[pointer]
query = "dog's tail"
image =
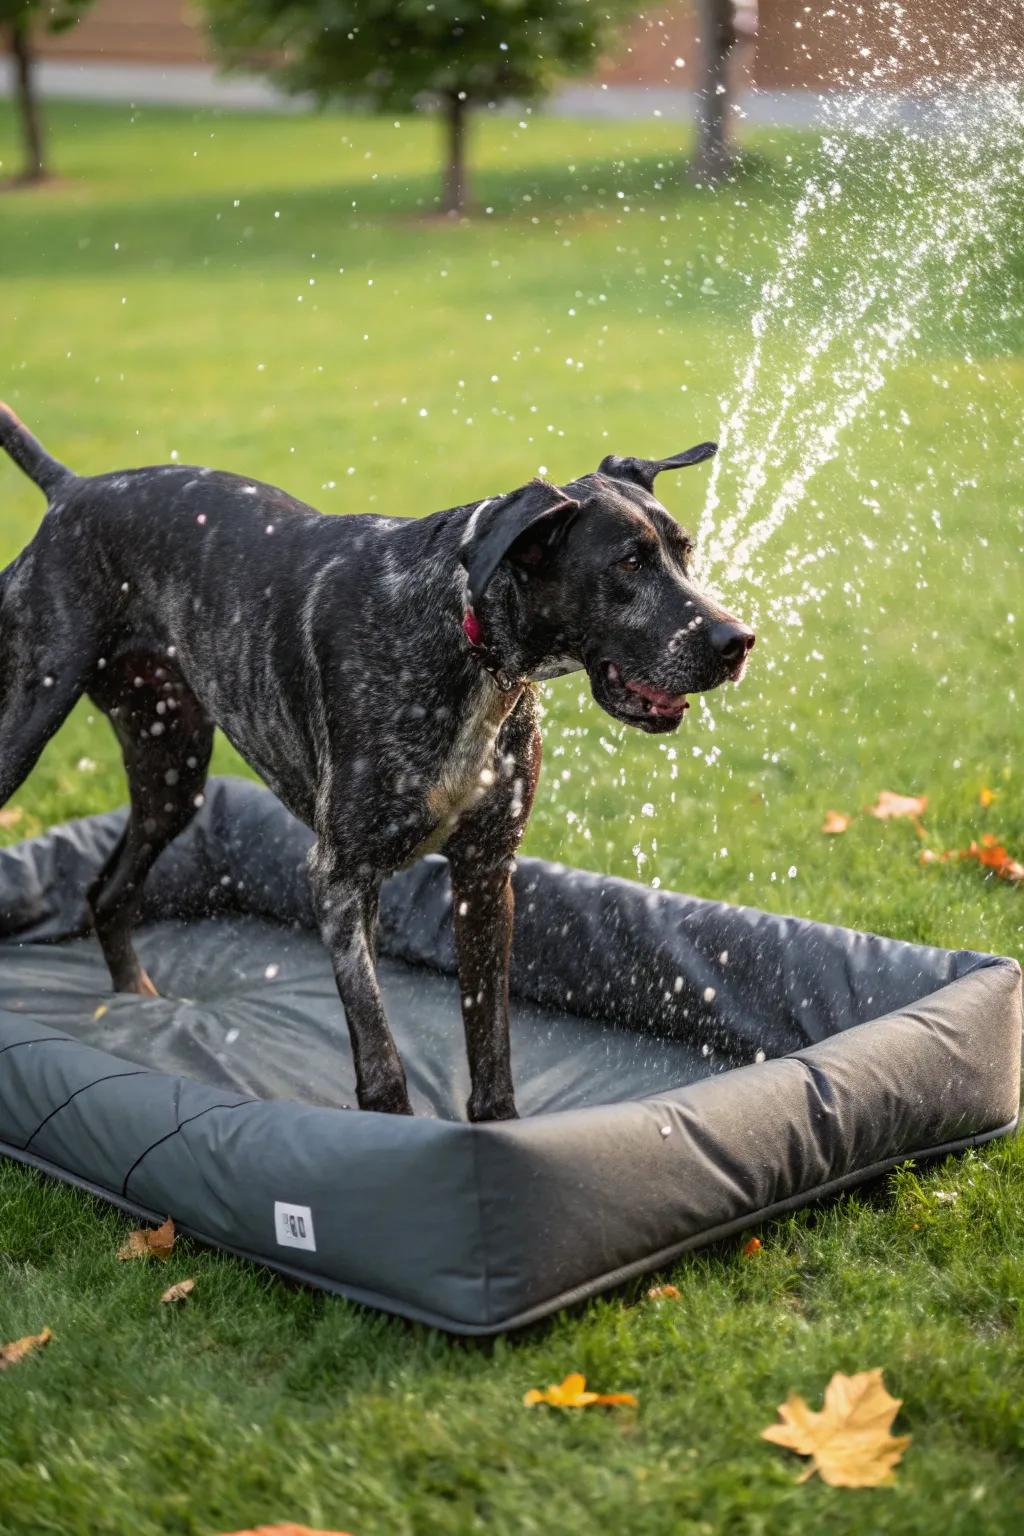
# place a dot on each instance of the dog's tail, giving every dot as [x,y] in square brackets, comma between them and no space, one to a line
[30,455]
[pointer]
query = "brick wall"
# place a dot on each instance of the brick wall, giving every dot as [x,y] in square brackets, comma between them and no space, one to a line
[144,31]
[801,43]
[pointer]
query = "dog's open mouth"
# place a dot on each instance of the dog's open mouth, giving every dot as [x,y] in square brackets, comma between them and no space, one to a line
[636,700]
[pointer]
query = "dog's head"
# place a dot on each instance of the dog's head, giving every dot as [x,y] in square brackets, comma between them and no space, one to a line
[596,574]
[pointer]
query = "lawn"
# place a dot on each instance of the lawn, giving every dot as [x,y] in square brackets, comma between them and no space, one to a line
[270,295]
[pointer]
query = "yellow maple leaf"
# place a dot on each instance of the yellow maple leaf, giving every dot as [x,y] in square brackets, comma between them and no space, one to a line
[849,1441]
[10,1354]
[986,796]
[156,1242]
[572,1393]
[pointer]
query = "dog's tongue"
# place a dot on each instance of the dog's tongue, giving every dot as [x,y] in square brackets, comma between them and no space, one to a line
[672,703]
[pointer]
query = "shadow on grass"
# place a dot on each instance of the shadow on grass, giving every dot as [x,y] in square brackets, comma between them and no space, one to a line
[48,237]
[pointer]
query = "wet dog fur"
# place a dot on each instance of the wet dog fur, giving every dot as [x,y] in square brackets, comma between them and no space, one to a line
[377,672]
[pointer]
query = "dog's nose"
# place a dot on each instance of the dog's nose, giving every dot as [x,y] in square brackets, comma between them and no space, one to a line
[731,640]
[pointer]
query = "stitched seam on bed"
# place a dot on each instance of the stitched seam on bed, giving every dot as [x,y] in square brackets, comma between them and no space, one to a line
[485,1269]
[111,1077]
[582,1292]
[179,1127]
[840,1184]
[44,1040]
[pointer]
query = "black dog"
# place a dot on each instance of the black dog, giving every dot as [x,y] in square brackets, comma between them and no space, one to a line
[376,672]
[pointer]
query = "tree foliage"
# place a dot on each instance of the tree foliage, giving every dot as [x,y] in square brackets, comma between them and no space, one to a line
[394,53]
[55,15]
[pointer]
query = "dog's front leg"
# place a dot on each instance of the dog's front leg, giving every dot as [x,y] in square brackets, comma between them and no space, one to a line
[480,855]
[483,936]
[347,914]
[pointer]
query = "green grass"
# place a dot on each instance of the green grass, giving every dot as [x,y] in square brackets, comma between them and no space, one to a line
[266,295]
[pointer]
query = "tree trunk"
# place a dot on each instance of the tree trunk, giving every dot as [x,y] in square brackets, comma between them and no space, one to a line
[28,106]
[454,190]
[714,159]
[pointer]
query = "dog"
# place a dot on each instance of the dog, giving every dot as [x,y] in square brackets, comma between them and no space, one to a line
[377,672]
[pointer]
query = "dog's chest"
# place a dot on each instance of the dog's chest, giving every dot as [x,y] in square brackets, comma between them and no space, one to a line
[467,771]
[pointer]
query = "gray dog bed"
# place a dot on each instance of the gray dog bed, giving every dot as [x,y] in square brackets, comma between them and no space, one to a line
[683,1068]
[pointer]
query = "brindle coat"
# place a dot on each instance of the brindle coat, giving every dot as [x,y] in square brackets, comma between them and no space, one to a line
[376,671]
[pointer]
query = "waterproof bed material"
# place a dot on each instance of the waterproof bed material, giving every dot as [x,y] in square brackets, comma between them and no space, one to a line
[683,1068]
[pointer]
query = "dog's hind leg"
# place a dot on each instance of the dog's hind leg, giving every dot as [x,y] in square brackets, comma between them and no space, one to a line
[166,740]
[37,691]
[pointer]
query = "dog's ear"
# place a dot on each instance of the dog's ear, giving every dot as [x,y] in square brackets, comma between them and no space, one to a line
[525,525]
[643,471]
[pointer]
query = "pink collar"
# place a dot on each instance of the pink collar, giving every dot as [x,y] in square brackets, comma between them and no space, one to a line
[471,628]
[473,631]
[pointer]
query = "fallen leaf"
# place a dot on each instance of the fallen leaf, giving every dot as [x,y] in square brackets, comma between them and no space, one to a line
[849,1441]
[835,822]
[664,1293]
[178,1292]
[992,855]
[572,1393]
[288,1529]
[100,1011]
[986,797]
[988,852]
[155,1241]
[752,1246]
[11,815]
[10,1354]
[888,806]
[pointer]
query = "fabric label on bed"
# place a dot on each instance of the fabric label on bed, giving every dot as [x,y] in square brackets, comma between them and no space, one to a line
[294,1226]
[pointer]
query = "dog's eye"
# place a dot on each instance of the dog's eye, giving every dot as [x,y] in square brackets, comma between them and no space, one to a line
[630,563]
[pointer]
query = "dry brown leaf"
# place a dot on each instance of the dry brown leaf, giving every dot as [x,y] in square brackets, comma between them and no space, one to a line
[888,806]
[11,815]
[849,1441]
[10,1354]
[664,1293]
[178,1292]
[288,1529]
[988,852]
[992,855]
[156,1242]
[835,822]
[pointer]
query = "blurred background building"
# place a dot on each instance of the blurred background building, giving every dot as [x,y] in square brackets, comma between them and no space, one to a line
[785,48]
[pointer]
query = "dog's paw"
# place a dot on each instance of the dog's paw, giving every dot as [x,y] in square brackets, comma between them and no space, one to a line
[138,982]
[500,1109]
[387,1101]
